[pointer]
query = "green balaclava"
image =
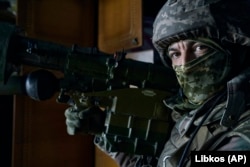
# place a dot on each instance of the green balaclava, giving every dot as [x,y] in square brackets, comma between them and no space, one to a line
[202,77]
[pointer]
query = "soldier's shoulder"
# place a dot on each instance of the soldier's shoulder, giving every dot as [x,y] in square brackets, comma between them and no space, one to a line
[243,128]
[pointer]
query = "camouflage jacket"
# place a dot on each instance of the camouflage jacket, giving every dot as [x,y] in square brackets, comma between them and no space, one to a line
[226,128]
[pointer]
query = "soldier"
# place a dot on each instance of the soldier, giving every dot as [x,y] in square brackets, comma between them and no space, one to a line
[206,43]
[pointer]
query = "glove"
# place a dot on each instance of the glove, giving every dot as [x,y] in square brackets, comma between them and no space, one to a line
[89,120]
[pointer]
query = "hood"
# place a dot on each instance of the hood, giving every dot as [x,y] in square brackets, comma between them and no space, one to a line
[222,20]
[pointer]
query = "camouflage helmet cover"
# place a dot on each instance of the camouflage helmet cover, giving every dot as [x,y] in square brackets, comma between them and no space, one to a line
[223,20]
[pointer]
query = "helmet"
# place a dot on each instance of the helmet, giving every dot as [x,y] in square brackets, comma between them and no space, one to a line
[225,21]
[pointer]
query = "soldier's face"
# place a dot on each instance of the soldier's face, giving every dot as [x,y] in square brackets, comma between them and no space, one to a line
[201,67]
[186,50]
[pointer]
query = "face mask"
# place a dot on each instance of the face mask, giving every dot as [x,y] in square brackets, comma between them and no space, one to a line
[203,76]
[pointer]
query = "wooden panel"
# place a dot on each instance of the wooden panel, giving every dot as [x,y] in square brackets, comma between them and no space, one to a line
[40,137]
[119,25]
[103,160]
[67,22]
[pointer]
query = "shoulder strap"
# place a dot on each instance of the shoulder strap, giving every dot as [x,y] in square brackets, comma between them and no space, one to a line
[241,130]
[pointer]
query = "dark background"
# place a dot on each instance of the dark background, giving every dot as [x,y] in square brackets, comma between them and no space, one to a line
[150,9]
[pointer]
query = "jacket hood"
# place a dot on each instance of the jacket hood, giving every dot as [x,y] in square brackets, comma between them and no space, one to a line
[225,21]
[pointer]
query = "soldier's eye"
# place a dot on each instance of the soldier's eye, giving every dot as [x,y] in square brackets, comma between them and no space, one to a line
[174,54]
[200,49]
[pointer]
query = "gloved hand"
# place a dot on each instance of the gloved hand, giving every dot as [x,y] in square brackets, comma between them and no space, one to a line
[89,120]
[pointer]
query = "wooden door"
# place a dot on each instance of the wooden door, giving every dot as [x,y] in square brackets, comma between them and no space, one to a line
[40,138]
